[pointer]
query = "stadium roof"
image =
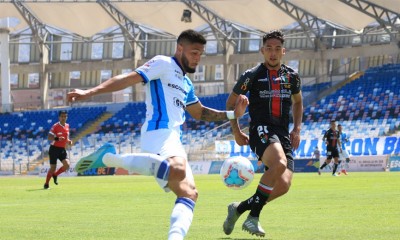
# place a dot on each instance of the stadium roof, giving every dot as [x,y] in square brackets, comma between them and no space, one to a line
[88,17]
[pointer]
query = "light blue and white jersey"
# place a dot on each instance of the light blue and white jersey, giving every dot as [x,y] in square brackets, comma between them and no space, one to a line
[168,92]
[343,140]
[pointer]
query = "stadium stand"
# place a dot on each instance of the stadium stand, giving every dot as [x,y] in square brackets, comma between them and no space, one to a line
[24,134]
[367,104]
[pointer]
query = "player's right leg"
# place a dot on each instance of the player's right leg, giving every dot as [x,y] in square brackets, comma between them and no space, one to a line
[50,173]
[148,164]
[335,162]
[53,155]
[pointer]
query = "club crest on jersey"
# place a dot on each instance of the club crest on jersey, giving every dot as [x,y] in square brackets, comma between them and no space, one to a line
[286,85]
[279,79]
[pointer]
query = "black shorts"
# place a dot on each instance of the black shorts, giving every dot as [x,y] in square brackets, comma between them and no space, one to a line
[261,136]
[57,153]
[332,153]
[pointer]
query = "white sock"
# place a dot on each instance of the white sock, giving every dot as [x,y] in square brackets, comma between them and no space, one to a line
[142,163]
[181,218]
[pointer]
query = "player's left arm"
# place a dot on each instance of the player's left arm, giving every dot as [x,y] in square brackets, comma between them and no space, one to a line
[201,112]
[297,111]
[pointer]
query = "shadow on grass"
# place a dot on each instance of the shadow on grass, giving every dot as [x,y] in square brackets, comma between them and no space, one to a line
[39,189]
[251,238]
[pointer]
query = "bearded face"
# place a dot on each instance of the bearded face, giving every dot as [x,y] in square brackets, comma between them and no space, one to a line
[189,55]
[186,65]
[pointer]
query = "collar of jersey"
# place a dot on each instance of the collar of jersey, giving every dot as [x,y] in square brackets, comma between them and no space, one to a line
[177,63]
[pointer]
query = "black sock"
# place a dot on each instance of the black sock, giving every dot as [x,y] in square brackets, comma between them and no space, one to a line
[260,199]
[245,205]
[334,168]
[323,165]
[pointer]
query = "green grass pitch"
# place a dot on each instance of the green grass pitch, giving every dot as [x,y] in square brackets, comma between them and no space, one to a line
[358,206]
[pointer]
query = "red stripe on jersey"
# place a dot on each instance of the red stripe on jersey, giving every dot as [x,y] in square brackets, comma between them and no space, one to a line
[276,98]
[334,140]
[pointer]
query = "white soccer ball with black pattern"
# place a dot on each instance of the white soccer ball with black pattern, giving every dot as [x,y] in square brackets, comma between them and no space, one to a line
[237,172]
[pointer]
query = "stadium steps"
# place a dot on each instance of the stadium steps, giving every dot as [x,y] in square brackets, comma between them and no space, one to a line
[210,145]
[88,129]
[34,165]
[92,127]
[333,89]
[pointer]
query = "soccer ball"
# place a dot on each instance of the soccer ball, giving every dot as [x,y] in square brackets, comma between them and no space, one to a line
[237,172]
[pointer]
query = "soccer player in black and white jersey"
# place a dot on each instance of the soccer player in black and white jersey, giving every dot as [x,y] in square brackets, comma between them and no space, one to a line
[332,141]
[274,89]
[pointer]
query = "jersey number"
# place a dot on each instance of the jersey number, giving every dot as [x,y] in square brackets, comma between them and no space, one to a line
[262,133]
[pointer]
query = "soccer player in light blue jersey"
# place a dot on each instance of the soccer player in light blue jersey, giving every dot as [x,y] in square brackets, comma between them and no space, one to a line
[169,93]
[344,157]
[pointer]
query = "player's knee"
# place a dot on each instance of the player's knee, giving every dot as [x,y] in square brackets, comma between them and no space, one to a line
[277,166]
[286,186]
[65,164]
[66,167]
[281,165]
[194,194]
[177,172]
[52,168]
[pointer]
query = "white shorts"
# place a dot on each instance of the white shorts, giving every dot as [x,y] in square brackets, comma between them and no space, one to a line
[343,155]
[166,143]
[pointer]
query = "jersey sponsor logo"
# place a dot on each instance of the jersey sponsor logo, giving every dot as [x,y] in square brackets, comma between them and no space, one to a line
[263,80]
[171,85]
[178,103]
[278,79]
[244,85]
[283,93]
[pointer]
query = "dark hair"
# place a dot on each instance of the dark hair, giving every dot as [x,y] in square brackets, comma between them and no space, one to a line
[333,121]
[339,125]
[191,36]
[62,112]
[274,34]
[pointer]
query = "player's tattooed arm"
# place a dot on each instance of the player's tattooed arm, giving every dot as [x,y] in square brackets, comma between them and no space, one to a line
[200,112]
[209,114]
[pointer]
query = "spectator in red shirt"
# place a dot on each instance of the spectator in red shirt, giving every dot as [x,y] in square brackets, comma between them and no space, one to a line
[59,137]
